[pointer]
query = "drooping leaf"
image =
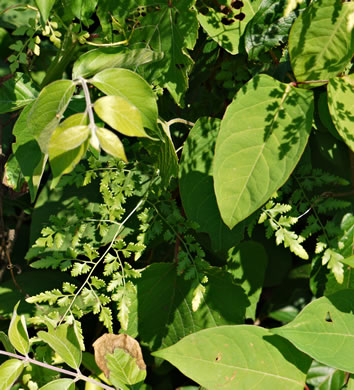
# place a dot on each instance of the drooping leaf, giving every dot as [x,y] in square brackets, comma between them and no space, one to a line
[97,60]
[18,332]
[341,106]
[6,342]
[133,88]
[322,377]
[170,28]
[262,137]
[247,263]
[9,372]
[110,143]
[268,28]
[226,28]
[120,358]
[160,287]
[196,185]
[45,6]
[324,329]
[63,340]
[239,357]
[67,145]
[46,112]
[120,115]
[320,43]
[59,384]
[16,92]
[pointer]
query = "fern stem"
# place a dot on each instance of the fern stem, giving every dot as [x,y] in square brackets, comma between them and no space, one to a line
[77,375]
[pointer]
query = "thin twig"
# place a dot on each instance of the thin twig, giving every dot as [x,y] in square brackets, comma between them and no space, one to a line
[77,375]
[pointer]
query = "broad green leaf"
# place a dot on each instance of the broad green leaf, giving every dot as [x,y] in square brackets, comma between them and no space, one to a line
[18,332]
[322,377]
[9,372]
[239,357]
[83,9]
[324,329]
[164,155]
[110,143]
[13,177]
[268,28]
[124,369]
[227,30]
[341,106]
[6,342]
[160,287]
[262,137]
[247,264]
[46,112]
[133,88]
[121,115]
[320,43]
[171,28]
[45,6]
[59,384]
[97,60]
[64,342]
[196,185]
[67,145]
[349,261]
[16,93]
[325,116]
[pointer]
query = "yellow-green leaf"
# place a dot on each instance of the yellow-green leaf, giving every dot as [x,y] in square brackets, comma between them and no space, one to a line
[9,372]
[18,332]
[110,143]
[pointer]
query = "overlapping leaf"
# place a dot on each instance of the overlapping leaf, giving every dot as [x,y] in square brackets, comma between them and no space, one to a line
[196,185]
[134,89]
[227,30]
[321,42]
[165,312]
[9,372]
[262,137]
[239,357]
[341,106]
[45,7]
[110,143]
[59,384]
[324,329]
[18,332]
[97,60]
[16,93]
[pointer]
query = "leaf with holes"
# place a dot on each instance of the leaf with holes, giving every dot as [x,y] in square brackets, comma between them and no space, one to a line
[341,106]
[226,24]
[262,137]
[239,357]
[324,329]
[320,42]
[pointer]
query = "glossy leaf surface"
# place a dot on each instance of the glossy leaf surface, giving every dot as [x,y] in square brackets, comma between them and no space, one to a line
[341,106]
[97,60]
[120,115]
[134,89]
[324,329]
[262,137]
[320,41]
[239,357]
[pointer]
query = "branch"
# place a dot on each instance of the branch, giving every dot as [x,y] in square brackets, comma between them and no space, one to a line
[77,375]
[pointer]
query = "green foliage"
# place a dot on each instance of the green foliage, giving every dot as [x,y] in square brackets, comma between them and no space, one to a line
[199,178]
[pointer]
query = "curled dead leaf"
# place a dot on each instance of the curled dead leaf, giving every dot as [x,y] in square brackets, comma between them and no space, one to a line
[107,343]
